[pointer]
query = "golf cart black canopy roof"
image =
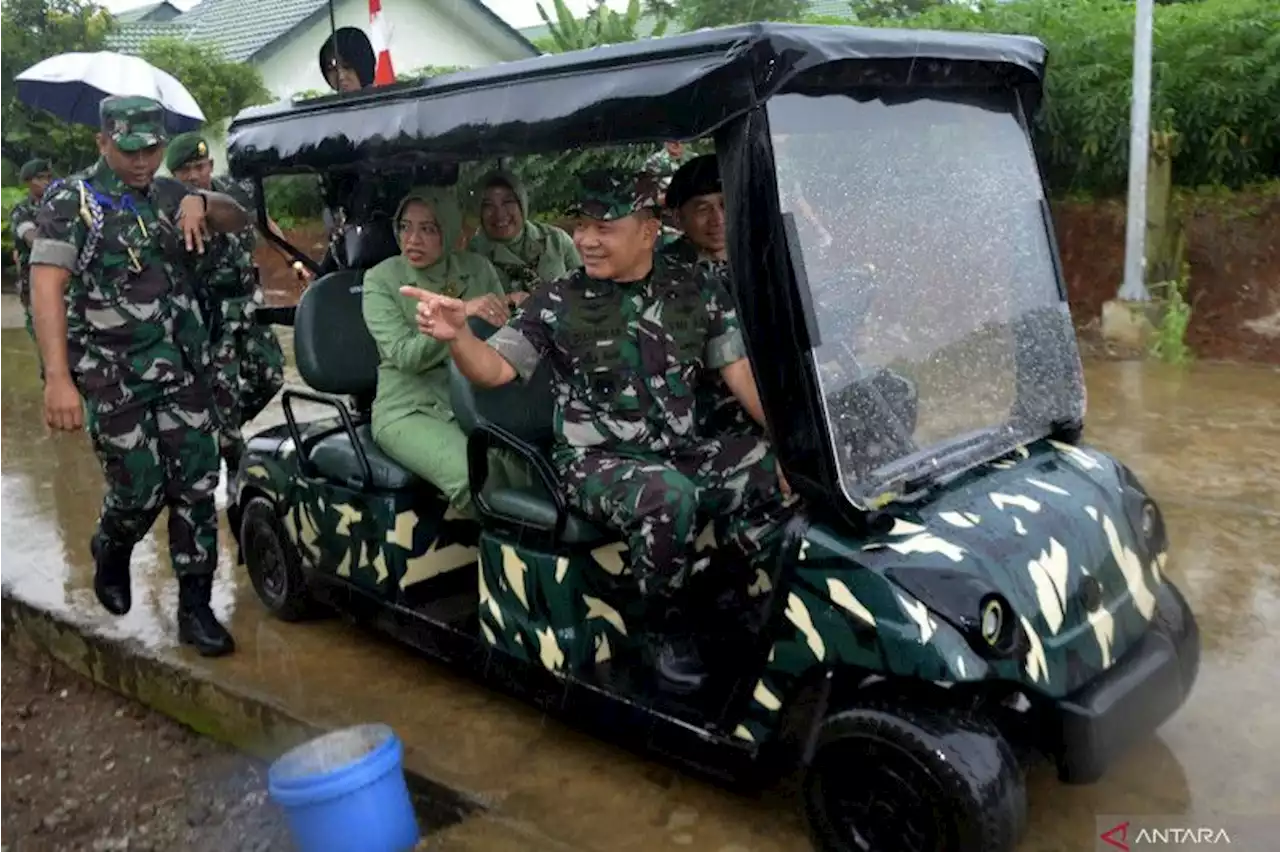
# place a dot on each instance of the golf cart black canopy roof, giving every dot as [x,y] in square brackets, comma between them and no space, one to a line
[670,88]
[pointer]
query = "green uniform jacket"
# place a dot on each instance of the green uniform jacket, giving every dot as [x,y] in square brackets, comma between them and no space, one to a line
[413,370]
[134,331]
[539,253]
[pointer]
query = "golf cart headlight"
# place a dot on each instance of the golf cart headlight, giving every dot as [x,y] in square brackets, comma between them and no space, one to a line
[998,632]
[992,623]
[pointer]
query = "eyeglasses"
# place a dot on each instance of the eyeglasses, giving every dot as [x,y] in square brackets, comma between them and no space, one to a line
[417,229]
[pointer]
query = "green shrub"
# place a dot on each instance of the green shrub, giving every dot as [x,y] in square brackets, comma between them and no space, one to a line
[1215,73]
[293,197]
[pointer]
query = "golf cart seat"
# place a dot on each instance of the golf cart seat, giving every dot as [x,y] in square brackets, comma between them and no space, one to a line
[518,417]
[336,355]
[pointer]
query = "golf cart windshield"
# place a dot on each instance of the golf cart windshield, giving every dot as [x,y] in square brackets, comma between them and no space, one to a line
[919,233]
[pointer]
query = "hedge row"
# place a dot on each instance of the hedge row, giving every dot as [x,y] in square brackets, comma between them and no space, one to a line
[1215,75]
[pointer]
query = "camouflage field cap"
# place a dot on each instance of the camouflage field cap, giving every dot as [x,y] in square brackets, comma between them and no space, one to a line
[133,123]
[31,168]
[607,194]
[185,149]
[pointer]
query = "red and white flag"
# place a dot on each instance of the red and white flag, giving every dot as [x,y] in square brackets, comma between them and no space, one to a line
[380,37]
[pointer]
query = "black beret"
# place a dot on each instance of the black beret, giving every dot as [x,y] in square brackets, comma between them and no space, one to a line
[699,176]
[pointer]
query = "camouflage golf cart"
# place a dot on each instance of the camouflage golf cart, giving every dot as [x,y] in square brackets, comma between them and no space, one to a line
[967,586]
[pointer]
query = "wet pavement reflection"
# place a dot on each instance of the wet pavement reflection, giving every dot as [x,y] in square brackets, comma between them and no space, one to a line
[1205,441]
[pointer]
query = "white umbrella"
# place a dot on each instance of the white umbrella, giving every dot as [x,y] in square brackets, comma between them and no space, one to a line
[71,85]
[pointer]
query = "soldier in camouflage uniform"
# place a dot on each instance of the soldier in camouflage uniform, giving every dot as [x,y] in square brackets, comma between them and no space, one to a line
[662,164]
[37,175]
[630,345]
[117,321]
[247,358]
[696,197]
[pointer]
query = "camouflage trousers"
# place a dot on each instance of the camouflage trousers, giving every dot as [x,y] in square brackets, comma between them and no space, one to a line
[248,371]
[261,367]
[156,454]
[661,504]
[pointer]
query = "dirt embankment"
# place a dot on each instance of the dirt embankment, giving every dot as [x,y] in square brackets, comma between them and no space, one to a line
[1233,247]
[86,770]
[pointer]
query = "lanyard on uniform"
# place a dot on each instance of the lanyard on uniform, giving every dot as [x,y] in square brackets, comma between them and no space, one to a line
[127,206]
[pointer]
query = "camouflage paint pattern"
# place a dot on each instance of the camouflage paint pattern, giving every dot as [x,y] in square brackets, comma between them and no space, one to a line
[381,541]
[564,612]
[138,350]
[1036,527]
[570,611]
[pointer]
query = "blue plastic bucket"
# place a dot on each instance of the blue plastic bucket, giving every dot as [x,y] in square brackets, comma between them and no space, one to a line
[345,792]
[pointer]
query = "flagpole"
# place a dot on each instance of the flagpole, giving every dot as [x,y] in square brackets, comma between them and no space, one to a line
[333,31]
[1134,288]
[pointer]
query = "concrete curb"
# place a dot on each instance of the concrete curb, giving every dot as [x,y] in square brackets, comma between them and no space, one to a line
[250,723]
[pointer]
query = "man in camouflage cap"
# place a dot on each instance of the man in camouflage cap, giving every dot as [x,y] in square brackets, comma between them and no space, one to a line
[117,323]
[247,359]
[630,344]
[36,174]
[697,199]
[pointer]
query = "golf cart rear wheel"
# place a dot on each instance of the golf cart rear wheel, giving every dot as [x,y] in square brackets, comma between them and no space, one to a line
[891,779]
[273,564]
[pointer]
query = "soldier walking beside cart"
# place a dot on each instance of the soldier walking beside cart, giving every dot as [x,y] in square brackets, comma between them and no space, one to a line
[116,243]
[247,359]
[37,175]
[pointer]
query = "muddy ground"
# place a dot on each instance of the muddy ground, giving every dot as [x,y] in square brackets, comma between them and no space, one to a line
[87,770]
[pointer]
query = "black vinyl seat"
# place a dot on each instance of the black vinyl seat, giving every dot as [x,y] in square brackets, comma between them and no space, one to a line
[336,355]
[520,418]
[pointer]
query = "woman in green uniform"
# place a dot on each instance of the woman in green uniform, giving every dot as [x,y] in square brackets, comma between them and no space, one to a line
[413,421]
[524,252]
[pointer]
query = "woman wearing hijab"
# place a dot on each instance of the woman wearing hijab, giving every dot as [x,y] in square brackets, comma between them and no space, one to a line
[523,252]
[413,421]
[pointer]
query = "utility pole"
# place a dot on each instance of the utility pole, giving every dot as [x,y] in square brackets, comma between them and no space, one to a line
[1134,288]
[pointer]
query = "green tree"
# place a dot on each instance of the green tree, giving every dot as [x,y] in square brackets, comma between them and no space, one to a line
[601,25]
[221,88]
[33,30]
[1215,83]
[891,10]
[696,14]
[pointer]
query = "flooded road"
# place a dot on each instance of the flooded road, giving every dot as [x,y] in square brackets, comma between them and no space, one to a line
[1205,441]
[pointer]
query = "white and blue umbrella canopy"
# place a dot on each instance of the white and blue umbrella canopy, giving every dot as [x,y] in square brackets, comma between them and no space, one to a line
[72,85]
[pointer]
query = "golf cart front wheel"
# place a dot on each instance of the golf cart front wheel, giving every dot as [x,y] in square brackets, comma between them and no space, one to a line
[273,564]
[890,779]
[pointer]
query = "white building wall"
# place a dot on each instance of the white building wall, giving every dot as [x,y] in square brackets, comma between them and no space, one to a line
[423,32]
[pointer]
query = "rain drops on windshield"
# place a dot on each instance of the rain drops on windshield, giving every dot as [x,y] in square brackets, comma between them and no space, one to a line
[927,256]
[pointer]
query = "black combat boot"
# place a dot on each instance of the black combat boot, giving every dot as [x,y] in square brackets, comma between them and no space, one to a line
[197,625]
[111,573]
[676,658]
